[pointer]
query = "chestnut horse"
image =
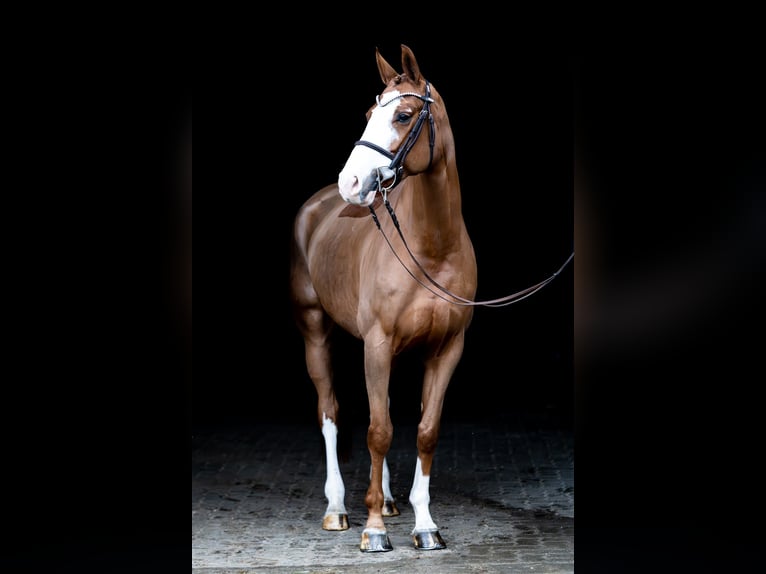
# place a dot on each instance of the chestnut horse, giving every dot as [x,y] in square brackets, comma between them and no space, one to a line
[346,271]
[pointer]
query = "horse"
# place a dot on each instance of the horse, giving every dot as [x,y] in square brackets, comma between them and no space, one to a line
[346,272]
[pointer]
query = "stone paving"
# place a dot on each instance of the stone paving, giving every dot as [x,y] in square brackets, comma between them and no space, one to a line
[502,494]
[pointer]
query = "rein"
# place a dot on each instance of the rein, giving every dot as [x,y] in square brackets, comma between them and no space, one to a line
[395,169]
[457,299]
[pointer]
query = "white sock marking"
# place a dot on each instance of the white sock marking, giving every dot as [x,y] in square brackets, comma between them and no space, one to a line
[420,499]
[334,489]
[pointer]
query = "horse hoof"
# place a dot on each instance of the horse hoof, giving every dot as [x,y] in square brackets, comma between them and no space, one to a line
[428,540]
[390,509]
[375,542]
[335,522]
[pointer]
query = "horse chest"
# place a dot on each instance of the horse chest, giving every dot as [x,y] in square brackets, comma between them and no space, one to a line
[417,322]
[422,320]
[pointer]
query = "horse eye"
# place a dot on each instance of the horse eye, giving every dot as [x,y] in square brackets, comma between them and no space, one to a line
[403,118]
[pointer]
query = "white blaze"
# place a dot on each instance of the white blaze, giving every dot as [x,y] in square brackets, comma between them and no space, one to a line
[358,173]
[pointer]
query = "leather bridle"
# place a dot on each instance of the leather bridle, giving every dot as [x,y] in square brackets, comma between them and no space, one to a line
[396,167]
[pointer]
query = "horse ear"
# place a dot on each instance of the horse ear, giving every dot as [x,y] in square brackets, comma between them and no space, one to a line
[410,65]
[385,69]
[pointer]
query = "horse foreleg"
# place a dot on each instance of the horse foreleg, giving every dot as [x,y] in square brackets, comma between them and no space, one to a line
[389,502]
[438,373]
[377,368]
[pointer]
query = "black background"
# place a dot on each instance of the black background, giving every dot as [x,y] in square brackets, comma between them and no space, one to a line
[512,123]
[640,136]
[670,181]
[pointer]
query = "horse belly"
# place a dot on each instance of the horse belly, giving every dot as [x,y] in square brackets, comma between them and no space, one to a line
[334,259]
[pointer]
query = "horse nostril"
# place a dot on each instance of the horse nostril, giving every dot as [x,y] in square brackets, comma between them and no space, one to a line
[348,182]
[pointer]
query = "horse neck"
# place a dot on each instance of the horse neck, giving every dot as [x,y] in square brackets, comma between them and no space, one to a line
[431,210]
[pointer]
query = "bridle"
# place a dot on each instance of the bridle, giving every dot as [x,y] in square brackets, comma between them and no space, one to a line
[395,170]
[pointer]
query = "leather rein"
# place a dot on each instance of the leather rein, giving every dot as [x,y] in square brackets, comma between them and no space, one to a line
[395,170]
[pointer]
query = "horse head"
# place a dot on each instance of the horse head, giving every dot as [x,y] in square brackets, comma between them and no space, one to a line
[391,148]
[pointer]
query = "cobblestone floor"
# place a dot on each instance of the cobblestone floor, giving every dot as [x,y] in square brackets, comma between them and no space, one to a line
[502,494]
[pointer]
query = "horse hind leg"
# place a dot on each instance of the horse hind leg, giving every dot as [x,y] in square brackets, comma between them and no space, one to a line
[316,330]
[389,502]
[335,517]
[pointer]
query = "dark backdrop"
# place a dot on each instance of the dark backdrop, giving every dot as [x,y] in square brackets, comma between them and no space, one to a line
[287,123]
[668,154]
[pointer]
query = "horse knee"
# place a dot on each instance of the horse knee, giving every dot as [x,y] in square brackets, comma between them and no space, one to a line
[428,436]
[379,437]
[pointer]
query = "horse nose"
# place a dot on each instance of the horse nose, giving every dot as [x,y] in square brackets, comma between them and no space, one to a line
[348,185]
[353,190]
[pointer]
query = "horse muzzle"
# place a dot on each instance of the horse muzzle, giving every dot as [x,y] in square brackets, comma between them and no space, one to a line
[357,192]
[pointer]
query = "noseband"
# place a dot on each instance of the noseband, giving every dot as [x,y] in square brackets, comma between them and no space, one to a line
[396,167]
